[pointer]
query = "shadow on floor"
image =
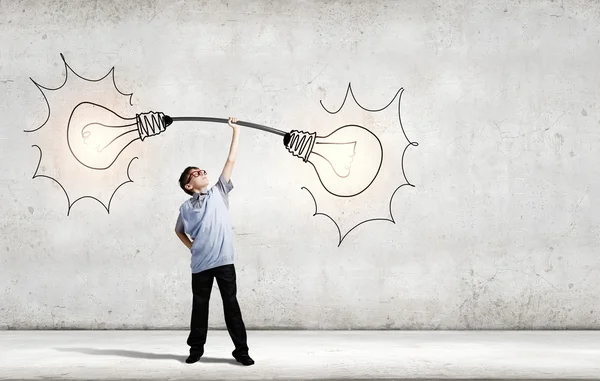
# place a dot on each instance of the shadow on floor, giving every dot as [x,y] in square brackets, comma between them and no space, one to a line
[145,355]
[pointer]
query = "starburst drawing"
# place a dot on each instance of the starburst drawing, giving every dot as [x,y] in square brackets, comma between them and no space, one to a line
[57,140]
[341,211]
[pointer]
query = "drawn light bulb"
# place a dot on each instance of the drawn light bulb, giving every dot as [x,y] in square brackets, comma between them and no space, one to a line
[347,161]
[97,135]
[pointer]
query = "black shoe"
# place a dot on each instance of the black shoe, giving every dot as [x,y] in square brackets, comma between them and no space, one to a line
[245,359]
[193,357]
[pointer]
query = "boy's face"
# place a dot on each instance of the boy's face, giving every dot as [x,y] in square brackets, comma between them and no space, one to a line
[197,179]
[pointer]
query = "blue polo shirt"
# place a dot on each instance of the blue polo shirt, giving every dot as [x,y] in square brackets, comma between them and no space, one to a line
[205,218]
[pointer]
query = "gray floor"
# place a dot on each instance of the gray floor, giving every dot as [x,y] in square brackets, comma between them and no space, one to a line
[293,355]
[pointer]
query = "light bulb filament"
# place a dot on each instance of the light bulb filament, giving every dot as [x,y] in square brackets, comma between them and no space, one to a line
[88,136]
[340,156]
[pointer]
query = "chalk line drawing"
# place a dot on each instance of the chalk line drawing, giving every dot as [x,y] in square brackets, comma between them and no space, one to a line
[346,161]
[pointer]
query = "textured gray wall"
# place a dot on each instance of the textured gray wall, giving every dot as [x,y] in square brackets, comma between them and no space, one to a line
[499,231]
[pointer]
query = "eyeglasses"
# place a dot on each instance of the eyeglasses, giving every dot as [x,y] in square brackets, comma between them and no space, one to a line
[196,173]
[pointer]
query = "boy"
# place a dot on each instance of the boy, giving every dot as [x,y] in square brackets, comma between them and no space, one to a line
[205,218]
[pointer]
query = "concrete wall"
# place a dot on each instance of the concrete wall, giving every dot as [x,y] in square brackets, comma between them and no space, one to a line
[499,231]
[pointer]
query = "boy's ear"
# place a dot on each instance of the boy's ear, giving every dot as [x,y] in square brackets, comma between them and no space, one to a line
[188,186]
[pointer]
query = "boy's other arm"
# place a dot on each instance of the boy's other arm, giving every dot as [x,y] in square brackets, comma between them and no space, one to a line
[185,239]
[228,168]
[181,233]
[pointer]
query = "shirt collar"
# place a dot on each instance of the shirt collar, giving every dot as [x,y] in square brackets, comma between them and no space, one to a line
[199,197]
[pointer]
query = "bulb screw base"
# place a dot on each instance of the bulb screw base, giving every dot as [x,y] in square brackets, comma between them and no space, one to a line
[300,143]
[151,123]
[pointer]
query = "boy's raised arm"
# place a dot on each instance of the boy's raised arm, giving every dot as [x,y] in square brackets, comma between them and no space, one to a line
[228,168]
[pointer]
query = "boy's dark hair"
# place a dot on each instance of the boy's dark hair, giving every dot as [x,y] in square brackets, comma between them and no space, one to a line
[183,179]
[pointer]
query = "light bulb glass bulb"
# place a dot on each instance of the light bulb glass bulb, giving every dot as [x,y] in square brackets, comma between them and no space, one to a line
[347,161]
[97,135]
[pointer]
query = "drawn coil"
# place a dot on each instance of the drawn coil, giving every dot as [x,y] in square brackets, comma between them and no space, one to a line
[150,124]
[301,143]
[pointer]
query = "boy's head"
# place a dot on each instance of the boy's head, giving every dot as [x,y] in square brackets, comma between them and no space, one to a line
[193,180]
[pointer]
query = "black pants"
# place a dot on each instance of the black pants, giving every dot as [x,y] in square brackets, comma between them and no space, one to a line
[202,283]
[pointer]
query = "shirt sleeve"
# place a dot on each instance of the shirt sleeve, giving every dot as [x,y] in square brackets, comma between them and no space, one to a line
[179,225]
[224,187]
